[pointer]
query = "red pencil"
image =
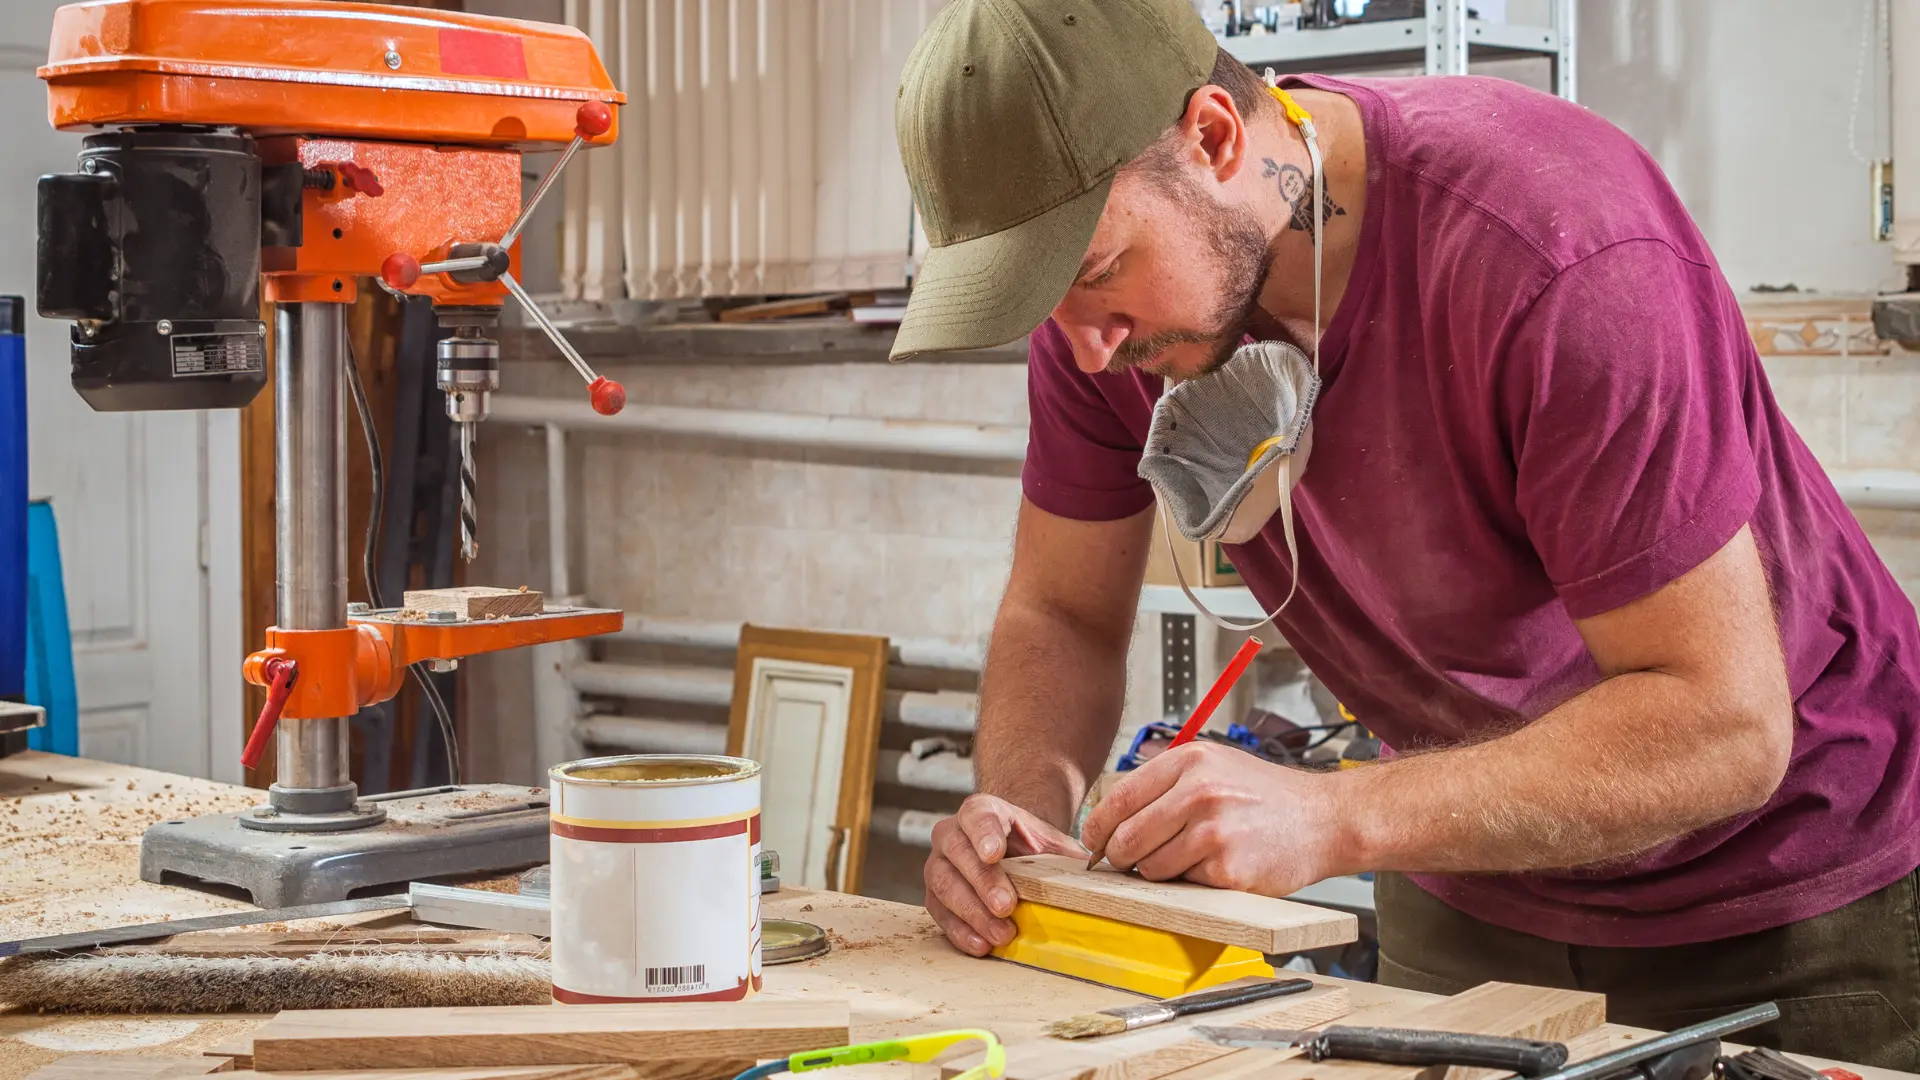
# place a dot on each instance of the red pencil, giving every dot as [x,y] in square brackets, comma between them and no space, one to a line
[1215,695]
[1218,693]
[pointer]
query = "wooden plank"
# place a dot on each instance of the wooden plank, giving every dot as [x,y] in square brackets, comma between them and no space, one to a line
[1530,1012]
[1164,1048]
[126,1067]
[798,306]
[1488,1009]
[405,939]
[495,1072]
[547,1034]
[1262,923]
[477,601]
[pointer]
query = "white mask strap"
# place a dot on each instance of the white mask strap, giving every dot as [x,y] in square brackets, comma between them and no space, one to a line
[1319,200]
[1284,475]
[1311,136]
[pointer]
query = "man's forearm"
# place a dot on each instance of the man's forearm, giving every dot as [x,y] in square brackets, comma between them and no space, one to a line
[1599,778]
[1050,700]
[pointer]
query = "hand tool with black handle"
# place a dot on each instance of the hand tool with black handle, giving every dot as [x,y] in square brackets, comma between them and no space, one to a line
[1402,1046]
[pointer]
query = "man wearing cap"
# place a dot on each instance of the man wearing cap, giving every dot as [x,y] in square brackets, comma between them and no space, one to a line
[1535,517]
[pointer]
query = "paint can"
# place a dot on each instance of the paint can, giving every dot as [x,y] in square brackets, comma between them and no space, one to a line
[656,878]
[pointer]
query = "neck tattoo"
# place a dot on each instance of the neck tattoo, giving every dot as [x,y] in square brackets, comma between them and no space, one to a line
[1297,188]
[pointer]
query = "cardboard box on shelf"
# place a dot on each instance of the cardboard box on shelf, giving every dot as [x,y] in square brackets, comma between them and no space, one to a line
[1204,563]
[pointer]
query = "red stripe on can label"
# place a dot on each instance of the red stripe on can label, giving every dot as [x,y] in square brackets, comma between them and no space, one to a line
[739,992]
[597,834]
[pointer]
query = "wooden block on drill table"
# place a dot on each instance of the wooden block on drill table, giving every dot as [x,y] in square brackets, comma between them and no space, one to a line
[1261,923]
[695,1036]
[1529,1012]
[477,601]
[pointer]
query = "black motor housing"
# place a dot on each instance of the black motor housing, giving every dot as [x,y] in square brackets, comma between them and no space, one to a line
[153,249]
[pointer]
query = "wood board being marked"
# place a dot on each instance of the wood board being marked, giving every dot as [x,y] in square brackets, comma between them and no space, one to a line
[1262,923]
[698,1032]
[1163,1048]
[127,1067]
[1488,1009]
[477,601]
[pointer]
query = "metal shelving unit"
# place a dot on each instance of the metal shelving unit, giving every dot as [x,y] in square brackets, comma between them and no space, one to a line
[1446,38]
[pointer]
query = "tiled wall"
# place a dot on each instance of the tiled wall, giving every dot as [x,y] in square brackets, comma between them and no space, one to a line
[708,529]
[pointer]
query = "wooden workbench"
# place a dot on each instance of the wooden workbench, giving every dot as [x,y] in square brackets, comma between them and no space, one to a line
[69,861]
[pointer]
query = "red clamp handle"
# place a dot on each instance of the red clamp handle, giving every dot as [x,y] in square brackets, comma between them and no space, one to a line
[361,179]
[593,118]
[608,397]
[280,673]
[400,270]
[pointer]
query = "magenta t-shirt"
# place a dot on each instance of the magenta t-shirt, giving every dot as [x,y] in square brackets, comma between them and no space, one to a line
[1541,402]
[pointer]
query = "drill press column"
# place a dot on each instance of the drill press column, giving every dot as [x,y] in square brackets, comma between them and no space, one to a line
[310,531]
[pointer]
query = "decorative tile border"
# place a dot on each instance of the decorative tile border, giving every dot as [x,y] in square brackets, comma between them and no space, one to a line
[1805,327]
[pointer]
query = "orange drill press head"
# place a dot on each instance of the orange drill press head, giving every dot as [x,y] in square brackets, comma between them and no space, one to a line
[294,146]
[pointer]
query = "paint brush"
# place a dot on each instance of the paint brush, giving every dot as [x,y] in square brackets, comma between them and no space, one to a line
[1204,710]
[1128,1017]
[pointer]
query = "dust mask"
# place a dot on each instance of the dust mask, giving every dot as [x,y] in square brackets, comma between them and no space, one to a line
[1225,450]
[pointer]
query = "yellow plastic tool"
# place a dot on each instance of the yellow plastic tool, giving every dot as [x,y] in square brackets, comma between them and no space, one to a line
[1158,963]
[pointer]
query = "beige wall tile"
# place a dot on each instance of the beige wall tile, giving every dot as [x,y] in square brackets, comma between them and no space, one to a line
[762,576]
[1883,413]
[1812,391]
[846,583]
[939,587]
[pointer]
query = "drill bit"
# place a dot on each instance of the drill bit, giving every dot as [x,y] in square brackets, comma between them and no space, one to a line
[469,546]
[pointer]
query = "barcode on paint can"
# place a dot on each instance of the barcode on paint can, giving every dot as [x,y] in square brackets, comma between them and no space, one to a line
[676,978]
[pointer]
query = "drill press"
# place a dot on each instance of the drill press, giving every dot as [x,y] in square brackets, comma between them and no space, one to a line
[240,150]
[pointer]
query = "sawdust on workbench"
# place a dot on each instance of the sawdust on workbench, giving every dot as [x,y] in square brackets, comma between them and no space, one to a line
[508,884]
[19,1058]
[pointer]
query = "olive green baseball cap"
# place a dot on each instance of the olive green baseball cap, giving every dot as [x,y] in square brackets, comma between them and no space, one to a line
[1013,116]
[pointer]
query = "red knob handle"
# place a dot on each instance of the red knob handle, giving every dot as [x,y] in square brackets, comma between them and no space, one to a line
[594,118]
[281,672]
[609,397]
[361,179]
[400,270]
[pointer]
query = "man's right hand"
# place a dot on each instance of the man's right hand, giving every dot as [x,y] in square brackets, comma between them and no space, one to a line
[968,895]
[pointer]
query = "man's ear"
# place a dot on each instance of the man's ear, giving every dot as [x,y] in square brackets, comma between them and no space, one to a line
[1217,133]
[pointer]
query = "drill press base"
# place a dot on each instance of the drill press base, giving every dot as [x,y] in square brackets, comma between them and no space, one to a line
[429,833]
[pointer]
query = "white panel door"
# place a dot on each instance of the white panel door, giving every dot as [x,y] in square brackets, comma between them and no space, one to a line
[797,729]
[147,503]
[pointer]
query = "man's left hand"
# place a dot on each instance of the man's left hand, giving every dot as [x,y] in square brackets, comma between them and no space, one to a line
[1222,817]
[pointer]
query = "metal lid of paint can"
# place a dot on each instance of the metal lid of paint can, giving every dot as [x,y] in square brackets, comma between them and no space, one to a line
[783,941]
[655,770]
